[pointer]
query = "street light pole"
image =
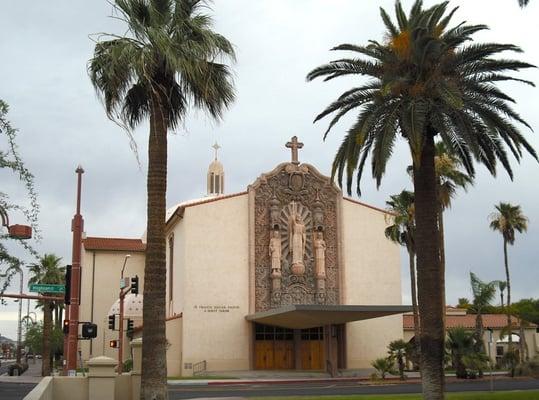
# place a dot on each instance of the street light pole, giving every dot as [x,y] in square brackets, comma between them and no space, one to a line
[77,227]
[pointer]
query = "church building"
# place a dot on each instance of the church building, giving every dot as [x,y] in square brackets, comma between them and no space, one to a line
[287,275]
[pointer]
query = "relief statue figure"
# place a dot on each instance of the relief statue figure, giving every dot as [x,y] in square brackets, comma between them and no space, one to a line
[297,239]
[275,254]
[320,256]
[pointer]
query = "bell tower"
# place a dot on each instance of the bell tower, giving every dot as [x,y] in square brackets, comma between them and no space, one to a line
[216,175]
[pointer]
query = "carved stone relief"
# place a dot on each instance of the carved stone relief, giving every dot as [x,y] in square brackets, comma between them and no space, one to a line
[287,191]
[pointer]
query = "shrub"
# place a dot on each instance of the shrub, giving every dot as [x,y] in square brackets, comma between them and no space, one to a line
[383,366]
[128,365]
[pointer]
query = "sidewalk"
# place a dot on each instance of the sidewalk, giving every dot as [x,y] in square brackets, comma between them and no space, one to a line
[32,374]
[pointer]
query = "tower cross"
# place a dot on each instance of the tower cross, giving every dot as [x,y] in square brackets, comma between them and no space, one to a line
[216,147]
[294,145]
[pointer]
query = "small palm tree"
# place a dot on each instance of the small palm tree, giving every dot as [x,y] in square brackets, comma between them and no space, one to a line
[168,61]
[508,219]
[483,294]
[460,343]
[402,231]
[398,350]
[425,80]
[47,270]
[523,3]
[383,366]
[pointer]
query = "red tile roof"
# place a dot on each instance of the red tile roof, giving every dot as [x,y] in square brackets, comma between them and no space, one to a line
[495,321]
[113,244]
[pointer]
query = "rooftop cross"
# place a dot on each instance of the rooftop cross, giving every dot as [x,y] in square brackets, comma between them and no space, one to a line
[216,147]
[294,145]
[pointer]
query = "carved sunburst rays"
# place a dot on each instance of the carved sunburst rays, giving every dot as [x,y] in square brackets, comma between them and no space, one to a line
[306,217]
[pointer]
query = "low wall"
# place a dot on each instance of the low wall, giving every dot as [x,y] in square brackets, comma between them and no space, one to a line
[101,383]
[43,390]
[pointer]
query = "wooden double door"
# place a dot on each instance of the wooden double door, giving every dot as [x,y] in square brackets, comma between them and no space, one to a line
[281,348]
[312,348]
[274,354]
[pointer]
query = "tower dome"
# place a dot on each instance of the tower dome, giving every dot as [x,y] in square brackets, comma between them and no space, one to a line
[216,175]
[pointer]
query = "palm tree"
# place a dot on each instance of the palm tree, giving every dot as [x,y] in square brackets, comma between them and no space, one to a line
[398,350]
[460,343]
[424,82]
[168,61]
[483,294]
[507,219]
[402,231]
[47,270]
[523,3]
[449,178]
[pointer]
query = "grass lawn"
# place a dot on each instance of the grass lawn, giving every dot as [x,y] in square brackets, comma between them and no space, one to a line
[512,395]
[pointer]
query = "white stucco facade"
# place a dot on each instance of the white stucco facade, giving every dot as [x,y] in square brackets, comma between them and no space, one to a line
[371,276]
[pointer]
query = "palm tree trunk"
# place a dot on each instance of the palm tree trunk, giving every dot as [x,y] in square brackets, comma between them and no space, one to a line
[428,274]
[411,256]
[154,365]
[479,345]
[524,355]
[57,323]
[501,296]
[508,311]
[46,353]
[442,255]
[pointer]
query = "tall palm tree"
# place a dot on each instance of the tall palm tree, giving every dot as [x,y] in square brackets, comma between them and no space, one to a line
[425,82]
[508,219]
[402,231]
[47,270]
[449,178]
[168,61]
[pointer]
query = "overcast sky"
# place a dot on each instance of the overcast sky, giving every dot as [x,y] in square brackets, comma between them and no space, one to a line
[44,50]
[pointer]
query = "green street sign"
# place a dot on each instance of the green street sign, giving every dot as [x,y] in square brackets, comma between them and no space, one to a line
[46,288]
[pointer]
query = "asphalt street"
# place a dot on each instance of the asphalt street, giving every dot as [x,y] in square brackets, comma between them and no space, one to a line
[14,391]
[17,391]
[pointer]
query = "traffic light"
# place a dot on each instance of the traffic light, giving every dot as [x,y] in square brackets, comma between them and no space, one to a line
[112,321]
[113,344]
[130,325]
[134,284]
[67,292]
[89,330]
[66,326]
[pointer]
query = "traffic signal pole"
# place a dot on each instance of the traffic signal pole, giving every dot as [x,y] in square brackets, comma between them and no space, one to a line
[121,335]
[77,227]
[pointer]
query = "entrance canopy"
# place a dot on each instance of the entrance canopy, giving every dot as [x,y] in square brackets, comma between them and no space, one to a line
[302,316]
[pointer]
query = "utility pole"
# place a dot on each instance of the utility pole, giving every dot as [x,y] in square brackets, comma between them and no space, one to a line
[77,227]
